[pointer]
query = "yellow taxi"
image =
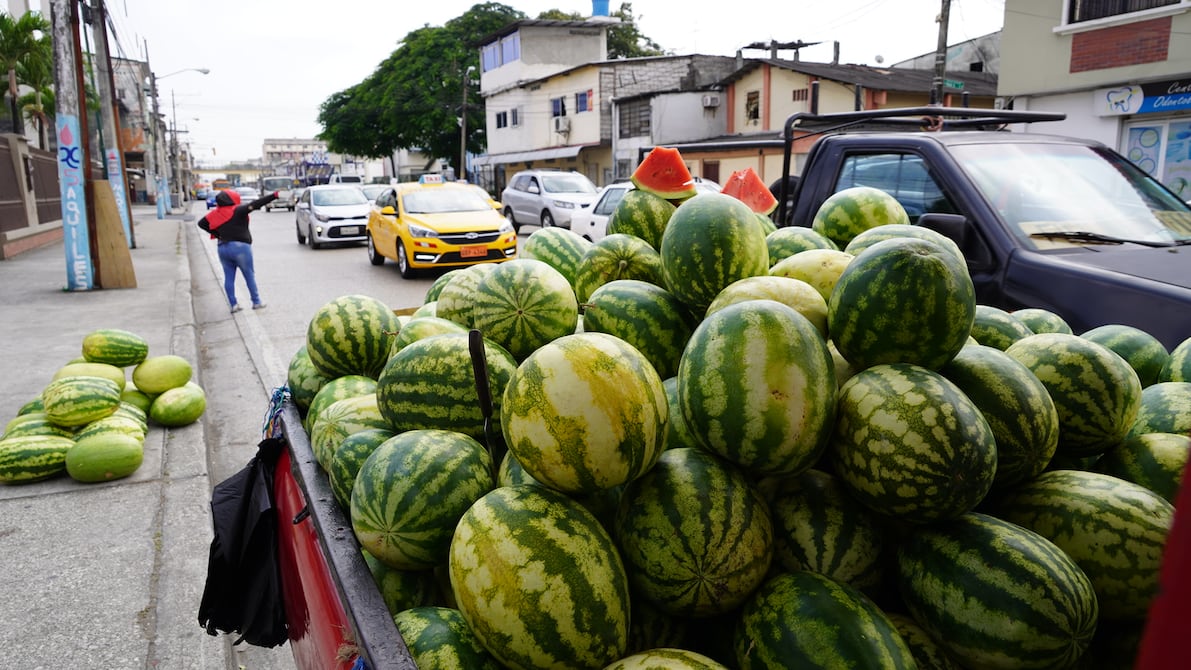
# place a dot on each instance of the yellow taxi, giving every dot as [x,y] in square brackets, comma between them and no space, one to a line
[435,224]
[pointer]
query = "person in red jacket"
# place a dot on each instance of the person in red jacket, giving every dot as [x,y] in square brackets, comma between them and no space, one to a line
[228,223]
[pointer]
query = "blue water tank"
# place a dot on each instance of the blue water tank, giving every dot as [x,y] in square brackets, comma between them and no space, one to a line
[599,7]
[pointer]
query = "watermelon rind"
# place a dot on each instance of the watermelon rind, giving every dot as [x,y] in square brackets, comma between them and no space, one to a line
[439,637]
[32,458]
[560,248]
[785,242]
[350,335]
[523,304]
[76,401]
[1143,352]
[644,315]
[1041,320]
[641,214]
[104,457]
[663,173]
[114,346]
[1156,461]
[1165,407]
[335,390]
[794,293]
[867,238]
[617,256]
[303,379]
[349,456]
[997,328]
[821,268]
[1178,365]
[847,213]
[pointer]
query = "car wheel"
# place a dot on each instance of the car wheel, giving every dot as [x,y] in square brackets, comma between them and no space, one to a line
[301,237]
[407,271]
[310,237]
[374,257]
[547,219]
[512,219]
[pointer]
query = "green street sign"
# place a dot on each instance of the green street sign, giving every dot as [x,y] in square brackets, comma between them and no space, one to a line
[951,83]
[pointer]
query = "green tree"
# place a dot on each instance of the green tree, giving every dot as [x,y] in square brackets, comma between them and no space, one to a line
[37,72]
[18,42]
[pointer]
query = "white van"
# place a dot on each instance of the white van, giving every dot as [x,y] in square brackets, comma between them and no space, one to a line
[346,179]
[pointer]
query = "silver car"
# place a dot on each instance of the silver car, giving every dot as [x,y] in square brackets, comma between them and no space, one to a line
[332,213]
[546,198]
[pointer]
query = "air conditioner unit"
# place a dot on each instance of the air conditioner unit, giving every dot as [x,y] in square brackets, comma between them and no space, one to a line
[711,100]
[562,124]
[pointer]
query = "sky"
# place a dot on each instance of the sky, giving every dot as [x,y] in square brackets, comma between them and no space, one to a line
[273,62]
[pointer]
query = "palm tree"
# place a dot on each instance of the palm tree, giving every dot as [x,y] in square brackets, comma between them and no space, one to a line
[18,40]
[37,72]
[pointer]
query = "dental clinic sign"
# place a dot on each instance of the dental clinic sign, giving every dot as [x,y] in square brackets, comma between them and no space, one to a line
[1155,97]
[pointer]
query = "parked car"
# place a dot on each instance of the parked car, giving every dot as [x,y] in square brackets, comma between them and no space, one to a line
[546,197]
[332,213]
[373,190]
[431,224]
[592,222]
[211,198]
[247,194]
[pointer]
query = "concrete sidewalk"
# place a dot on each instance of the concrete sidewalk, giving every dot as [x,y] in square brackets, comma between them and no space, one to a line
[111,575]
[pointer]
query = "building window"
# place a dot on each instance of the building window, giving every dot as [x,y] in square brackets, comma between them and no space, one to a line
[801,95]
[510,48]
[634,118]
[558,107]
[583,101]
[752,107]
[1088,10]
[490,57]
[502,119]
[514,117]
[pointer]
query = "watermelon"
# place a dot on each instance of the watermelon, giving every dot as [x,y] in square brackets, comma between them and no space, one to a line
[869,237]
[1143,352]
[350,335]
[1165,408]
[34,423]
[424,326]
[1025,603]
[1113,529]
[794,293]
[539,580]
[644,315]
[854,210]
[341,419]
[641,214]
[757,386]
[523,304]
[805,620]
[663,173]
[910,444]
[766,224]
[401,589]
[927,653]
[650,628]
[560,248]
[1156,461]
[180,406]
[456,299]
[664,658]
[1178,365]
[347,459]
[437,285]
[584,413]
[747,187]
[102,457]
[785,242]
[303,379]
[618,256]
[77,401]
[512,473]
[158,374]
[695,534]
[93,370]
[1017,406]
[430,308]
[439,637]
[117,423]
[430,384]
[994,327]
[134,396]
[678,433]
[891,294]
[114,346]
[347,386]
[1040,320]
[1096,393]
[711,242]
[821,268]
[32,458]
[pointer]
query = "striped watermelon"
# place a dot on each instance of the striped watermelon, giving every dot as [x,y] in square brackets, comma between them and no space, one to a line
[429,308]
[131,395]
[1156,461]
[401,589]
[1178,366]
[585,412]
[820,527]
[869,237]
[121,348]
[77,401]
[1096,393]
[1115,530]
[994,327]
[821,268]
[35,404]
[650,628]
[347,386]
[615,257]
[560,248]
[93,370]
[457,297]
[712,240]
[1165,408]
[794,293]
[641,214]
[411,491]
[523,304]
[113,423]
[927,653]
[1041,320]
[303,379]
[437,285]
[439,637]
[1025,603]
[34,423]
[646,316]
[757,386]
[894,293]
[430,384]
[32,458]
[910,444]
[785,242]
[422,327]
[351,335]
[1143,352]
[695,534]
[665,658]
[678,433]
[349,456]
[805,620]
[340,419]
[511,472]
[539,580]
[852,211]
[1018,408]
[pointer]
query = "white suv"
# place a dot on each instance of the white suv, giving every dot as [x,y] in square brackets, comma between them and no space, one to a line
[546,198]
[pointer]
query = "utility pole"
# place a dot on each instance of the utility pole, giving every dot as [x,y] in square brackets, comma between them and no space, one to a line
[74,160]
[936,94]
[110,118]
[463,124]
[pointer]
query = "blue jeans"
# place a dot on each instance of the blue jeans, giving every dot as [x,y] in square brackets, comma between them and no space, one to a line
[238,256]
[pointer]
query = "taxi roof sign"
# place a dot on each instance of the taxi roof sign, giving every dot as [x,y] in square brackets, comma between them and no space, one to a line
[430,179]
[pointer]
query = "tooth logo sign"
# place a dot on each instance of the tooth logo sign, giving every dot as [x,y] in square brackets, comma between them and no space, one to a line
[1123,100]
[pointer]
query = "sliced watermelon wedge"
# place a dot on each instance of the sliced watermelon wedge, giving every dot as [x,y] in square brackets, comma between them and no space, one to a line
[664,174]
[747,187]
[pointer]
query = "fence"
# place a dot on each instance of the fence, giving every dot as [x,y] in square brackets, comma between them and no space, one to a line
[30,201]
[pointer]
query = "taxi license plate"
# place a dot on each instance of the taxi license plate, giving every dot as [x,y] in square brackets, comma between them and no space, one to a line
[349,230]
[474,252]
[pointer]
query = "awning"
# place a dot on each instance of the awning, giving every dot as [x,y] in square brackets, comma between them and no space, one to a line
[536,155]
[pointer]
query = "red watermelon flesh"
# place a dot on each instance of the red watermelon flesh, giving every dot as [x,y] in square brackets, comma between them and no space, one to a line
[664,174]
[747,187]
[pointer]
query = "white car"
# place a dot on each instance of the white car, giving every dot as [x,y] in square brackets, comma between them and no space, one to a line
[332,213]
[546,198]
[592,223]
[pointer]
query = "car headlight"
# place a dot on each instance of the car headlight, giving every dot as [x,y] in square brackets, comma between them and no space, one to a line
[564,205]
[505,227]
[322,217]
[421,231]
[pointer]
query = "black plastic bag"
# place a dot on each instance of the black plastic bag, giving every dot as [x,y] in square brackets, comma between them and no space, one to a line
[243,590]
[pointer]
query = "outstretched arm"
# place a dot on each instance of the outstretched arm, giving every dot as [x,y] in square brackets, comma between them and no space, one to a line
[262,201]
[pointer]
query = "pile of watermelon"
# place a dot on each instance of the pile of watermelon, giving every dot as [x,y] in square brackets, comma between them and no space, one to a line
[90,420]
[710,444]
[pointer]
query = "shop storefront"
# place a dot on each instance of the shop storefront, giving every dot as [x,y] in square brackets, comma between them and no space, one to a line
[1155,128]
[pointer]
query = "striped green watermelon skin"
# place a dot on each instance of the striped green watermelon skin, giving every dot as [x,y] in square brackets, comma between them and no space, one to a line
[695,534]
[1143,352]
[303,379]
[349,456]
[455,300]
[926,652]
[539,580]
[32,458]
[618,256]
[1156,461]
[439,637]
[1025,603]
[994,327]
[340,419]
[1041,320]
[351,335]
[347,386]
[1178,365]
[794,293]
[523,304]
[437,285]
[1115,530]
[867,238]
[651,628]
[559,248]
[1165,408]
[34,423]
[410,492]
[757,385]
[785,242]
[805,620]
[401,589]
[712,241]
[910,444]
[424,326]
[851,211]
[1096,393]
[121,348]
[584,413]
[430,384]
[678,433]
[646,316]
[665,658]
[1018,408]
[892,293]
[76,401]
[641,214]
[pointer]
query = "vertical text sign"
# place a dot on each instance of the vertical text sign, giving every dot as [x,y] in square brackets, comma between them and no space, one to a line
[79,271]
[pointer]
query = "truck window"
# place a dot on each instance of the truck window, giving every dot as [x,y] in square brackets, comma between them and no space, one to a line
[270,184]
[904,176]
